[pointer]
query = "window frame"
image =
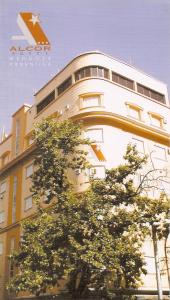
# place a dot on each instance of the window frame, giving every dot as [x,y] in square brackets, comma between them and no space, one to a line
[82,97]
[2,192]
[28,166]
[2,213]
[122,81]
[30,207]
[1,248]
[142,141]
[155,157]
[94,129]
[93,71]
[153,115]
[147,92]
[135,107]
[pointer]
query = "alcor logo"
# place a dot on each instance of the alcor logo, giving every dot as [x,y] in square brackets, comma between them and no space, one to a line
[29,24]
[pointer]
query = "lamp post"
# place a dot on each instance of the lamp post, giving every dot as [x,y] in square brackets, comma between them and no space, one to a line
[156,256]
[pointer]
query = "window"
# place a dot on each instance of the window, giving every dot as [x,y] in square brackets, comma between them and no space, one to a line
[1,248]
[134,111]
[65,85]
[17,137]
[165,185]
[12,244]
[156,120]
[29,170]
[95,135]
[3,187]
[47,100]
[122,80]
[28,203]
[5,158]
[97,172]
[150,93]
[2,216]
[11,264]
[92,71]
[139,145]
[90,100]
[14,199]
[30,140]
[159,152]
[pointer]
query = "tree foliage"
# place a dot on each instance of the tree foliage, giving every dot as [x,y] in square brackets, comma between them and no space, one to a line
[92,239]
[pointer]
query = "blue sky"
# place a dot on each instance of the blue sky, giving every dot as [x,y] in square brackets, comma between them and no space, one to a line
[135,31]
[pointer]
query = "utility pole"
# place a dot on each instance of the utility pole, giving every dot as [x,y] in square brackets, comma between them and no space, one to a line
[158,275]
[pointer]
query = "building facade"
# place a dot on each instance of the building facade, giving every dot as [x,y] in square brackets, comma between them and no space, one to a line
[118,105]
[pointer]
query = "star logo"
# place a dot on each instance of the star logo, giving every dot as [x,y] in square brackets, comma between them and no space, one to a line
[32,31]
[35,19]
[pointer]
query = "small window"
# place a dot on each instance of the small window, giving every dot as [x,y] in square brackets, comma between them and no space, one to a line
[2,216]
[150,93]
[17,136]
[92,71]
[139,145]
[12,244]
[5,159]
[95,135]
[122,80]
[28,203]
[156,120]
[47,100]
[11,263]
[134,111]
[3,187]
[30,141]
[90,101]
[65,85]
[29,170]
[1,248]
[159,152]
[97,172]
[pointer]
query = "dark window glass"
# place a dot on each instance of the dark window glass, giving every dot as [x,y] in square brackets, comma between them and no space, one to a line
[77,76]
[150,93]
[146,92]
[115,77]
[65,85]
[94,71]
[122,80]
[161,98]
[106,73]
[45,101]
[87,72]
[100,72]
[130,84]
[140,89]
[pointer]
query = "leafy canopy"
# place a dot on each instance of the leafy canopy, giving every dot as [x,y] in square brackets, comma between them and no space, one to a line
[92,239]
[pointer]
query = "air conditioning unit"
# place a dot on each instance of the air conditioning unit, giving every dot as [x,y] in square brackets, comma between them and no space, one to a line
[77,171]
[59,113]
[67,107]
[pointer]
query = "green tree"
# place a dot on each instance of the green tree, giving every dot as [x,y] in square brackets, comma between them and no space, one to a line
[92,239]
